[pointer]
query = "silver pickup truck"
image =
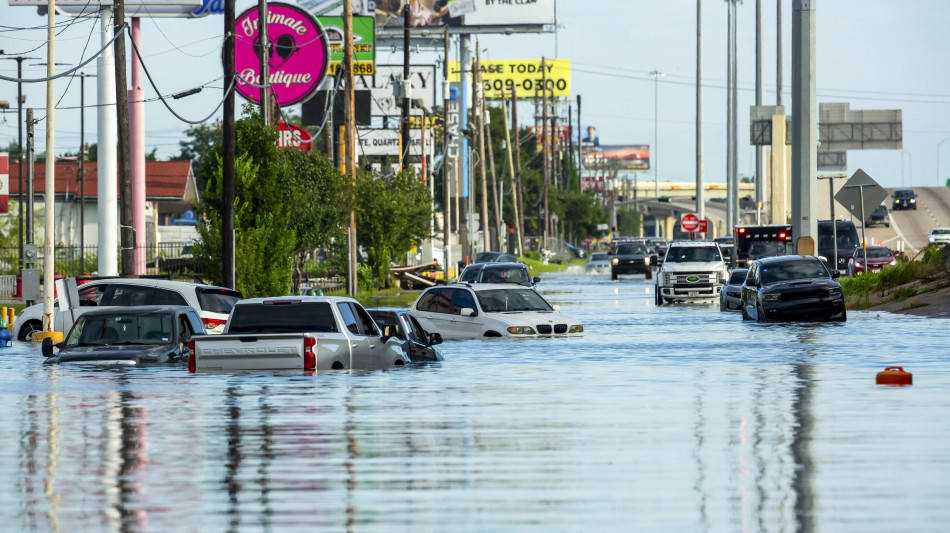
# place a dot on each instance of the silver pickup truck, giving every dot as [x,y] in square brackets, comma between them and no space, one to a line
[298,333]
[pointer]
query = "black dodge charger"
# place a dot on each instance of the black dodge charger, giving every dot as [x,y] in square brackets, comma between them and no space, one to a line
[792,287]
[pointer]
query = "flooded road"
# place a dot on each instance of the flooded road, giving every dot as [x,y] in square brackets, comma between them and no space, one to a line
[678,418]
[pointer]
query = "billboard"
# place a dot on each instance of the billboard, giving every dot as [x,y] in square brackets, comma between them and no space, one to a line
[561,136]
[502,76]
[466,13]
[380,85]
[377,142]
[299,59]
[364,43]
[618,157]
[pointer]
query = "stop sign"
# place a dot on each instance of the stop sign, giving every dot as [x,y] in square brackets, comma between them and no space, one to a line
[689,222]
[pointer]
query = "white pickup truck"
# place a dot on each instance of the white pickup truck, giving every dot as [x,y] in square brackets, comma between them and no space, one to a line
[298,333]
[691,271]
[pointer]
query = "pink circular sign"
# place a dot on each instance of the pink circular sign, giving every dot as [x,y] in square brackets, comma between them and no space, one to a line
[299,54]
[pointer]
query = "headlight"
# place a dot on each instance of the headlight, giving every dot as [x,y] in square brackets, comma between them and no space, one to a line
[614,261]
[834,290]
[893,262]
[576,328]
[646,260]
[521,330]
[771,297]
[913,201]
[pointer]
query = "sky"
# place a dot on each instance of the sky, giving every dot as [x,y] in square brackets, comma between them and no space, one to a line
[873,54]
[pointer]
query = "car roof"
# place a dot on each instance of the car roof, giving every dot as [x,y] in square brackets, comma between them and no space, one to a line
[694,243]
[138,309]
[295,299]
[765,261]
[167,283]
[484,286]
[497,265]
[941,229]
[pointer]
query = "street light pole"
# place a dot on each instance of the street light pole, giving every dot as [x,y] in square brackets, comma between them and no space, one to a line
[656,173]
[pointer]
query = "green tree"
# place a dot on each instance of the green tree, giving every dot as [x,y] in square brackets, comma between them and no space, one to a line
[390,217]
[14,150]
[200,148]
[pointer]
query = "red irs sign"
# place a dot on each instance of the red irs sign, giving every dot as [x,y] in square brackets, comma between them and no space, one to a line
[293,136]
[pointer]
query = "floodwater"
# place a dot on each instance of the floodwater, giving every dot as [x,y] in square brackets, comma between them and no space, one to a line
[679,418]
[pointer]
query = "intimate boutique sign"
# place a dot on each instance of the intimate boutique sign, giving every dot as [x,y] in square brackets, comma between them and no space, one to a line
[299,54]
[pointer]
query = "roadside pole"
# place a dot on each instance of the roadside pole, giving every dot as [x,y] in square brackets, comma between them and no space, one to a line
[834,224]
[349,143]
[49,193]
[227,172]
[511,171]
[127,245]
[446,177]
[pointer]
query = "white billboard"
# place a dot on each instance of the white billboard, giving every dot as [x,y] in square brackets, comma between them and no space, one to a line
[372,142]
[495,13]
[380,85]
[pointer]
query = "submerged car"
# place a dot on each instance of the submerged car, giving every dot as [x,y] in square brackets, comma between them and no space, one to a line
[469,311]
[792,287]
[212,303]
[598,263]
[630,257]
[498,273]
[878,257]
[730,299]
[494,257]
[129,336]
[419,344]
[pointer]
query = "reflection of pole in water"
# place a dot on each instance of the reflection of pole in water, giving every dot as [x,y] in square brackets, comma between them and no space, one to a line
[52,440]
[352,454]
[699,432]
[233,462]
[801,453]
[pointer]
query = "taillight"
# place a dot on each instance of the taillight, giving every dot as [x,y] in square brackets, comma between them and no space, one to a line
[309,359]
[192,363]
[212,322]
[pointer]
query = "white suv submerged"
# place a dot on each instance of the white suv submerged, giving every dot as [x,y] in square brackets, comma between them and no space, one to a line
[691,271]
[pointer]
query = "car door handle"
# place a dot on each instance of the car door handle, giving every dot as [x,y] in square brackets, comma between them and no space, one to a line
[372,346]
[355,345]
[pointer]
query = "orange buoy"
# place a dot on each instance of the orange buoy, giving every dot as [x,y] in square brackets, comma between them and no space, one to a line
[894,375]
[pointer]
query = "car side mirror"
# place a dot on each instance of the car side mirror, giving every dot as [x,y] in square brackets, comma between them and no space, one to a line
[47,347]
[435,338]
[536,280]
[722,281]
[557,308]
[835,274]
[653,259]
[468,311]
[389,331]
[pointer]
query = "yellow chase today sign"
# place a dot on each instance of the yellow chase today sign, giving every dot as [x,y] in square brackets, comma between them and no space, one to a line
[502,76]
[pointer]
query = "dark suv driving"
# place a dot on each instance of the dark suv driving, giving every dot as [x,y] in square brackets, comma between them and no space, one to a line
[629,257]
[904,199]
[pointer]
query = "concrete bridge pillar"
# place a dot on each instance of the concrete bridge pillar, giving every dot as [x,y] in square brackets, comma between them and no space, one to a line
[668,225]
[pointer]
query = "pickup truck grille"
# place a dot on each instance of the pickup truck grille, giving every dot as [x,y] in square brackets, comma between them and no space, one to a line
[689,279]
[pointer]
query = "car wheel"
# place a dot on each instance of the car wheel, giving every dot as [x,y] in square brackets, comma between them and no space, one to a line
[722,305]
[26,332]
[843,317]
[759,315]
[659,299]
[745,316]
[613,275]
[648,274]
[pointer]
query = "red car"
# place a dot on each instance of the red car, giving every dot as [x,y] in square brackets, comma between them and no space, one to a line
[878,258]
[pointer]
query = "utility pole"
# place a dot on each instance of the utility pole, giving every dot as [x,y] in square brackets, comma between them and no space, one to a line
[494,176]
[406,88]
[49,194]
[228,277]
[478,106]
[580,148]
[107,126]
[264,54]
[125,157]
[656,139]
[778,50]
[520,185]
[700,193]
[545,146]
[349,118]
[761,192]
[19,129]
[735,113]
[82,172]
[511,170]
[446,177]
[29,260]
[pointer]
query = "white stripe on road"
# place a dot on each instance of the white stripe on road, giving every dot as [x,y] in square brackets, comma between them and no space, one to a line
[900,235]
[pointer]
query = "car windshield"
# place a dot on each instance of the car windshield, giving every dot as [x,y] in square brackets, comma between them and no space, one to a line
[793,270]
[940,231]
[508,300]
[287,318]
[504,275]
[766,249]
[881,210]
[483,257]
[875,253]
[737,276]
[693,254]
[630,249]
[112,329]
[600,256]
[904,194]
